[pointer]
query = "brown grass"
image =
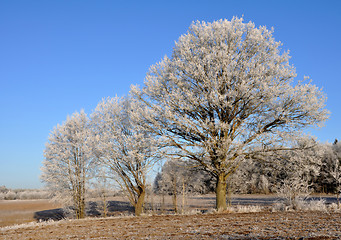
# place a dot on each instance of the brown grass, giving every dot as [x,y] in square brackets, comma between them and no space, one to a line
[22,211]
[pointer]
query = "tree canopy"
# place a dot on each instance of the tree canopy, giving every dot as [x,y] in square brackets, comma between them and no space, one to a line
[227,93]
[69,161]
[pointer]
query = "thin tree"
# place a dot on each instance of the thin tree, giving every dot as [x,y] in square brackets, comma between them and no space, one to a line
[124,147]
[68,162]
[336,169]
[102,184]
[171,176]
[170,180]
[227,93]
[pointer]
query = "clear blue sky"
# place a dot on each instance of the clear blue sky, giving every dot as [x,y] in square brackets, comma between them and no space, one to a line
[57,57]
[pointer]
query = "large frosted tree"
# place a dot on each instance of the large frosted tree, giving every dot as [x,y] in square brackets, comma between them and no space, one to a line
[128,150]
[227,93]
[69,163]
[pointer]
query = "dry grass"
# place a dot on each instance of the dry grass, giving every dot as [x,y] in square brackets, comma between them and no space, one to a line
[22,211]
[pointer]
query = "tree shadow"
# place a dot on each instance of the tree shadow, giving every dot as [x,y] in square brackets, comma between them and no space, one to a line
[119,207]
[96,209]
[259,201]
[52,214]
[93,209]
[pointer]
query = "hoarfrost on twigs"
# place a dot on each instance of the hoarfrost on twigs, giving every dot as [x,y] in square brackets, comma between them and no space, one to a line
[227,94]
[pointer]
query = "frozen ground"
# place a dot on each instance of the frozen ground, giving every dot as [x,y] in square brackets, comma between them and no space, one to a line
[257,225]
[262,225]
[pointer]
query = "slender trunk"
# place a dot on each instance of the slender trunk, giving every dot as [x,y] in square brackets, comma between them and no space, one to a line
[104,203]
[175,203]
[221,192]
[163,202]
[183,196]
[82,208]
[140,202]
[83,196]
[175,195]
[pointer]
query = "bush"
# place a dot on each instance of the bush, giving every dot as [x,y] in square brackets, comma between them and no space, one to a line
[301,204]
[3,189]
[317,205]
[10,195]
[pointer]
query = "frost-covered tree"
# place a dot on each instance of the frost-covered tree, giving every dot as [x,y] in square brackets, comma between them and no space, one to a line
[251,177]
[123,146]
[174,172]
[102,186]
[177,176]
[170,180]
[325,181]
[329,179]
[68,164]
[336,169]
[298,171]
[227,93]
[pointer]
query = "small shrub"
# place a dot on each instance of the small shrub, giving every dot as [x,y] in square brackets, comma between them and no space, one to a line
[211,210]
[245,209]
[334,207]
[301,204]
[279,207]
[3,189]
[317,205]
[10,195]
[193,212]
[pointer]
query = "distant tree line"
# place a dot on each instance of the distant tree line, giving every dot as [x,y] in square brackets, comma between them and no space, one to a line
[23,194]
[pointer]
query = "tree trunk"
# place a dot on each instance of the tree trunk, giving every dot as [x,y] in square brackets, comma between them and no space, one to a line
[140,202]
[82,215]
[183,196]
[82,208]
[79,203]
[221,192]
[163,202]
[175,202]
[104,204]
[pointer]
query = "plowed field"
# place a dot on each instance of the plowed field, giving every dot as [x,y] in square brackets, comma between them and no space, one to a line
[263,225]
